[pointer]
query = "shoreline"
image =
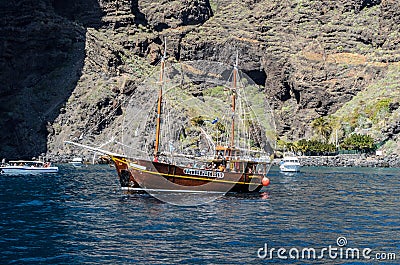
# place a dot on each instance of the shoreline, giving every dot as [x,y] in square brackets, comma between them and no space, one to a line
[345,160]
[341,160]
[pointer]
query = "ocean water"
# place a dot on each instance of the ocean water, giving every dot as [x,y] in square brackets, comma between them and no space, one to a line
[80,216]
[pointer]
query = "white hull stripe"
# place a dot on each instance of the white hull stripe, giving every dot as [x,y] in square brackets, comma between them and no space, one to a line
[166,190]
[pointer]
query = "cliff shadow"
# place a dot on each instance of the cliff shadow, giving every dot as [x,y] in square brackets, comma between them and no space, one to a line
[42,53]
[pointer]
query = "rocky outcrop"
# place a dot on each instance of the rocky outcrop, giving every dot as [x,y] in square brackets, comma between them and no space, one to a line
[350,161]
[174,14]
[313,59]
[76,62]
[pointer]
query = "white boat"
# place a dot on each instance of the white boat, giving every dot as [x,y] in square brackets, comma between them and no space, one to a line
[23,167]
[290,164]
[76,162]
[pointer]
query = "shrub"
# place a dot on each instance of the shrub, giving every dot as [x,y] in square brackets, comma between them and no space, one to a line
[315,147]
[359,142]
[197,121]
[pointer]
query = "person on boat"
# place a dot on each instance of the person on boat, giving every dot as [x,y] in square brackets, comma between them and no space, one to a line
[249,170]
[223,161]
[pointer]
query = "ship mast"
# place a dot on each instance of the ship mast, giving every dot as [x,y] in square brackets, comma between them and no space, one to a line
[234,85]
[158,124]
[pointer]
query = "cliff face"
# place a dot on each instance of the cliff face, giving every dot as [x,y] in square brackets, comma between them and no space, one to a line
[41,56]
[68,66]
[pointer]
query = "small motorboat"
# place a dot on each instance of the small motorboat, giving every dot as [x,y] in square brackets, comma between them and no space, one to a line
[290,163]
[23,167]
[76,162]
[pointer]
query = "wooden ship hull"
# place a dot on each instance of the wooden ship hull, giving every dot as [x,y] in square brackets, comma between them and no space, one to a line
[142,175]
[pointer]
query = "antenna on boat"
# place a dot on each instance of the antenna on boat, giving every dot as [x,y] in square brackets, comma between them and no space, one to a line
[158,124]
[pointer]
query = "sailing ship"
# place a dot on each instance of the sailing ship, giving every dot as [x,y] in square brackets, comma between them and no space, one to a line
[230,160]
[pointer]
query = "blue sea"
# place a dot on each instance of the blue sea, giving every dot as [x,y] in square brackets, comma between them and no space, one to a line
[80,216]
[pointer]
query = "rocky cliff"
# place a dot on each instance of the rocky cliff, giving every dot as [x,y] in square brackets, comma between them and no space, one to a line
[69,66]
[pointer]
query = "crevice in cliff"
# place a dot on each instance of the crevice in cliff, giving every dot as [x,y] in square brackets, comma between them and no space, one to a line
[140,18]
[296,95]
[369,3]
[258,76]
[285,95]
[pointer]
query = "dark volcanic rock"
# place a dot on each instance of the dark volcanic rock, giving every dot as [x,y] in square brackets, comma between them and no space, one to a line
[173,14]
[74,63]
[41,54]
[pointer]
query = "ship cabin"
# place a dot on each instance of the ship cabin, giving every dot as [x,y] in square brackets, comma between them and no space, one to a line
[231,160]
